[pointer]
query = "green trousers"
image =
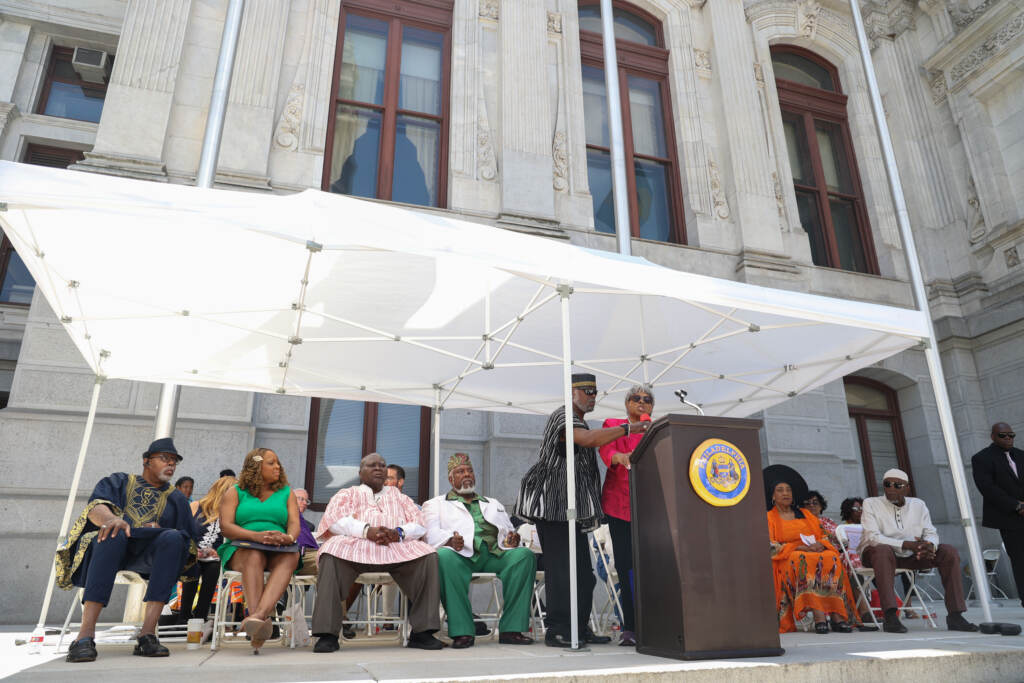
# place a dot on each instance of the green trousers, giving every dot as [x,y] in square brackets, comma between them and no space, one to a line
[516,568]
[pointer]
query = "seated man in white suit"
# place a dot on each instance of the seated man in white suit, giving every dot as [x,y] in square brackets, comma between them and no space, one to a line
[474,534]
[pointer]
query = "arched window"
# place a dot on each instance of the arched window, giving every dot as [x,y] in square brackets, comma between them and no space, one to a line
[828,190]
[388,132]
[878,430]
[652,170]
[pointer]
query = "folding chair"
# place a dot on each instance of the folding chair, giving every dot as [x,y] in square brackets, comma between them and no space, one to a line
[537,609]
[294,591]
[495,605]
[132,612]
[376,610]
[991,557]
[599,543]
[864,577]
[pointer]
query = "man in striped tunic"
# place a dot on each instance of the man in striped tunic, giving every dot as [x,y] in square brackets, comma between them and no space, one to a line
[543,500]
[375,528]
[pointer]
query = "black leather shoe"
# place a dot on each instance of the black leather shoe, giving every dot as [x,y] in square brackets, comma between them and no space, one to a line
[425,640]
[514,638]
[892,624]
[327,644]
[821,628]
[348,632]
[82,650]
[552,639]
[589,636]
[840,626]
[462,642]
[149,646]
[956,622]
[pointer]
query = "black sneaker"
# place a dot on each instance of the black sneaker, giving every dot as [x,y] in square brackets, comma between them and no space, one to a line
[149,646]
[327,643]
[82,650]
[956,622]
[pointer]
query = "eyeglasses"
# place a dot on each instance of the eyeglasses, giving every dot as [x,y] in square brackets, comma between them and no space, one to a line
[895,485]
[1005,435]
[641,399]
[589,392]
[856,508]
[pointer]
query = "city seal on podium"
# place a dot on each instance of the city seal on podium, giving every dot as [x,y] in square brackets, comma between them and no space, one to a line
[719,473]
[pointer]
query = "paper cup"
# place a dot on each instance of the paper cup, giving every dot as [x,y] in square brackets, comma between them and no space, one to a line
[195,633]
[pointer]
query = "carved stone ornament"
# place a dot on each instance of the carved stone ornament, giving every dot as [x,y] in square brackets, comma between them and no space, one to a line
[975,220]
[717,191]
[759,74]
[560,159]
[287,133]
[780,202]
[807,17]
[489,9]
[980,55]
[554,22]
[702,62]
[486,164]
[963,16]
[1012,257]
[937,84]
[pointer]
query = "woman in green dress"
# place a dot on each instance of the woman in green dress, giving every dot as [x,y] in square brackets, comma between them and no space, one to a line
[260,518]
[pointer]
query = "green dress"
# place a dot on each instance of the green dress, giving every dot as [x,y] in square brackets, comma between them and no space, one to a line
[256,515]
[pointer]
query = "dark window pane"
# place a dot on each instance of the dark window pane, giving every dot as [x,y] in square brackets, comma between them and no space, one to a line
[652,201]
[844,225]
[595,106]
[792,67]
[18,284]
[810,219]
[796,145]
[419,88]
[417,146]
[398,440]
[648,120]
[882,442]
[356,147]
[339,447]
[363,60]
[627,26]
[833,157]
[75,102]
[599,174]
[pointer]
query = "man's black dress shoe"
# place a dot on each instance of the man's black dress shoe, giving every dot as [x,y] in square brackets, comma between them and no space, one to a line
[589,636]
[462,642]
[347,631]
[82,650]
[892,624]
[956,622]
[514,638]
[327,643]
[552,639]
[149,646]
[425,640]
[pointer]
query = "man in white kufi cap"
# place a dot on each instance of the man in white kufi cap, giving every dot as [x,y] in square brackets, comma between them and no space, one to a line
[898,534]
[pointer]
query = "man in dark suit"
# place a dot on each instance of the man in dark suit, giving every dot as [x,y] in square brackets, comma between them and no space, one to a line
[999,474]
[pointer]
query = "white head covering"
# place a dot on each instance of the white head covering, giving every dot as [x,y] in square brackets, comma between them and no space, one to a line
[896,474]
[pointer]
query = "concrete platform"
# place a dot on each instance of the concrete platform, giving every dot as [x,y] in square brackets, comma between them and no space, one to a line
[922,654]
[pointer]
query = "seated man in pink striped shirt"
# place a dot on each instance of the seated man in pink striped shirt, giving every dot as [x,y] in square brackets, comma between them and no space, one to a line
[375,528]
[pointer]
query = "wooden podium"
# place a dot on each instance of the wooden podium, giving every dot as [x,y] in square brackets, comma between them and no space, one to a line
[702,572]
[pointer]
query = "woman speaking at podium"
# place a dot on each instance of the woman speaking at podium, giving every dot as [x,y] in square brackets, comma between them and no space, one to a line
[615,498]
[809,574]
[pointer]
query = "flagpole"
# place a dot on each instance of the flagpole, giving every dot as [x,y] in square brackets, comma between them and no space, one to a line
[620,191]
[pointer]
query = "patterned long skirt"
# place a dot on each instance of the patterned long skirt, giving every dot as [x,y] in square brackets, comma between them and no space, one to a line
[806,581]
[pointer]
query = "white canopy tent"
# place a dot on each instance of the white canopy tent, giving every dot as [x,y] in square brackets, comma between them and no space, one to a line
[316,294]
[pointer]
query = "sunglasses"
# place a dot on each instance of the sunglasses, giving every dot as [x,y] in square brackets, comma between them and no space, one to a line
[641,399]
[856,508]
[895,485]
[589,392]
[166,457]
[1005,435]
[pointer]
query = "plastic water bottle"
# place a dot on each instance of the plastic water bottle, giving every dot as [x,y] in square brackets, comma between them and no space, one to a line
[35,641]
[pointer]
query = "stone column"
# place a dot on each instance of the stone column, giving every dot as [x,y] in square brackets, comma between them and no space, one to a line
[13,43]
[526,189]
[131,134]
[746,168]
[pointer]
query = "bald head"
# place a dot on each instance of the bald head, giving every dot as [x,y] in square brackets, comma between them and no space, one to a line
[1002,435]
[373,471]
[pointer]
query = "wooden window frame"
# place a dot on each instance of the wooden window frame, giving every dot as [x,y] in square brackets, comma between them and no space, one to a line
[649,62]
[431,15]
[66,53]
[809,103]
[892,415]
[370,422]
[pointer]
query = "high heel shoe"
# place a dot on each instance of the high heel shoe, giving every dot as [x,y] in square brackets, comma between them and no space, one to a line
[258,630]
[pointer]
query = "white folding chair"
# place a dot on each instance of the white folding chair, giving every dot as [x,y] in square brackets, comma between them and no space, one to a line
[221,622]
[864,577]
[991,557]
[495,605]
[599,541]
[376,611]
[537,607]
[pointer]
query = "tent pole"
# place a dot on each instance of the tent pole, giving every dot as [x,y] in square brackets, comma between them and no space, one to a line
[167,410]
[623,231]
[436,428]
[931,352]
[69,506]
[570,466]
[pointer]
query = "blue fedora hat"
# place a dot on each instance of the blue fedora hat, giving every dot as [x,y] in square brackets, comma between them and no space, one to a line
[164,445]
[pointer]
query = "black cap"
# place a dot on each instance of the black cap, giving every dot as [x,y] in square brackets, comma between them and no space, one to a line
[164,445]
[584,380]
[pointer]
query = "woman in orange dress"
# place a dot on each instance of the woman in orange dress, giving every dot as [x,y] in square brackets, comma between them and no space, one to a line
[809,573]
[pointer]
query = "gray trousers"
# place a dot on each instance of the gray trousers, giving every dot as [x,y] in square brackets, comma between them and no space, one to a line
[417,578]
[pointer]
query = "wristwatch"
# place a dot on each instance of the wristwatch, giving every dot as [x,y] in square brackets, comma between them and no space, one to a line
[401,533]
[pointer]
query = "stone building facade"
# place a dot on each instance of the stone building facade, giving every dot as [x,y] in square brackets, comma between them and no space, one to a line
[515,140]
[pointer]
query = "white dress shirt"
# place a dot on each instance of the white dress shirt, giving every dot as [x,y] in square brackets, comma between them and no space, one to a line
[887,524]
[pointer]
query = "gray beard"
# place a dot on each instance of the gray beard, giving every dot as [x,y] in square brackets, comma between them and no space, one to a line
[465,490]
